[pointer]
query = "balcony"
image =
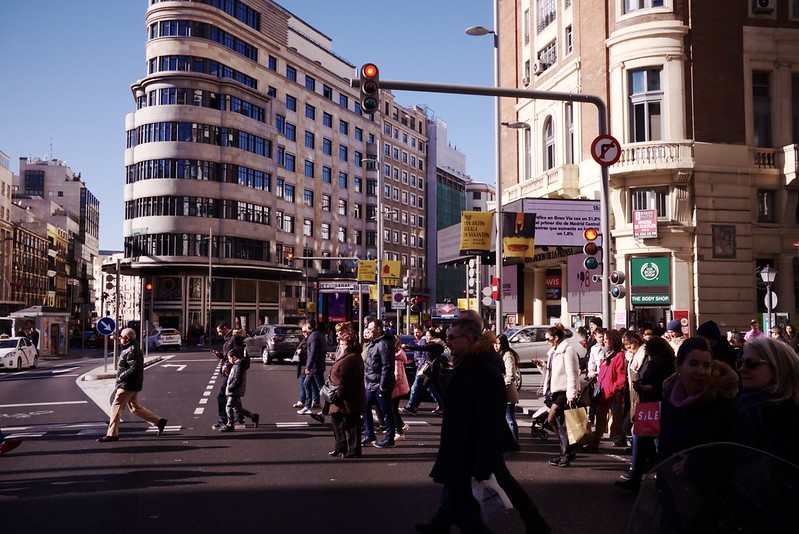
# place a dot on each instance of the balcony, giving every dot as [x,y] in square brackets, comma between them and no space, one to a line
[561,181]
[645,157]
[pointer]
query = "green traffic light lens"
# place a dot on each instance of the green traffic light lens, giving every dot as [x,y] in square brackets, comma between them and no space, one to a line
[591,263]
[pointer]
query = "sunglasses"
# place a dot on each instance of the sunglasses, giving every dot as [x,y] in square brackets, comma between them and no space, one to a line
[751,363]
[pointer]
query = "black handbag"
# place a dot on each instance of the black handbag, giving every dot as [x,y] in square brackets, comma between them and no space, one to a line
[329,391]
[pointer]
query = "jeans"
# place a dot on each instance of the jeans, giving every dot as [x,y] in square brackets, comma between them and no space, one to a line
[221,398]
[374,396]
[313,384]
[510,417]
[643,457]
[303,395]
[416,389]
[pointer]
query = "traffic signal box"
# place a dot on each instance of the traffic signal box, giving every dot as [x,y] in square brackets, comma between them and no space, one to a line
[370,88]
[591,249]
[617,290]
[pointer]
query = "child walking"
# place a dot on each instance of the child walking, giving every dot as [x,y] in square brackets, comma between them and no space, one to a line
[236,387]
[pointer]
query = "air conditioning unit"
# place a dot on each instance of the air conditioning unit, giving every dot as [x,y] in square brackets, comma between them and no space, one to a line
[538,67]
[526,81]
[764,7]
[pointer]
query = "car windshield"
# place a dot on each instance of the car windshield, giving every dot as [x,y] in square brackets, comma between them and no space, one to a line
[8,343]
[288,331]
[169,332]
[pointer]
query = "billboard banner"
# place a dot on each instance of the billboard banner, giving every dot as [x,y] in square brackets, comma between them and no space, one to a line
[476,230]
[518,236]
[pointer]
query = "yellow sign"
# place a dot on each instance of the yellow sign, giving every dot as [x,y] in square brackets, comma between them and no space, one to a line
[476,230]
[472,304]
[367,270]
[390,272]
[373,292]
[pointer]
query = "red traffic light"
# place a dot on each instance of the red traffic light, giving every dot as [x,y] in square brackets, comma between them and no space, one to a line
[148,287]
[369,70]
[590,234]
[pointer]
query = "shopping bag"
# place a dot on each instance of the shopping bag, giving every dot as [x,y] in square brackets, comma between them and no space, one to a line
[647,419]
[577,425]
[491,498]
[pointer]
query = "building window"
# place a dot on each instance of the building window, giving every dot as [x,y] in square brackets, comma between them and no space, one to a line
[761,108]
[327,119]
[342,234]
[343,101]
[325,202]
[549,144]
[343,127]
[568,40]
[526,26]
[308,198]
[307,228]
[327,92]
[546,13]
[291,132]
[291,103]
[325,231]
[342,181]
[765,206]
[343,153]
[327,175]
[638,5]
[327,146]
[288,193]
[272,63]
[291,73]
[309,169]
[569,133]
[650,199]
[310,140]
[310,83]
[310,112]
[528,154]
[548,55]
[646,100]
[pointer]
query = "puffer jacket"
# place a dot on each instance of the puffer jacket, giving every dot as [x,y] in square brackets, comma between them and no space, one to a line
[401,387]
[379,367]
[236,380]
[130,368]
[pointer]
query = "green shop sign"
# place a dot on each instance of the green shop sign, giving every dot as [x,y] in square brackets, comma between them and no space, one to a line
[649,281]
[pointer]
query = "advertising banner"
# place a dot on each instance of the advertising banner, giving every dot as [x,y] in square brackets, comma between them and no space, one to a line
[476,230]
[367,270]
[650,281]
[645,223]
[391,272]
[518,236]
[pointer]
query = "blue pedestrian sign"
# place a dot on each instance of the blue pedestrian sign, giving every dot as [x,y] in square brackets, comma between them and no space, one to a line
[106,326]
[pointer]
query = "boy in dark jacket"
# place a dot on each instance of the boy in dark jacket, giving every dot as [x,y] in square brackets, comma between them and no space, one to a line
[236,387]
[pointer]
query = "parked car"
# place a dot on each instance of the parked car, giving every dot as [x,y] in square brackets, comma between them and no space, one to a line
[274,342]
[529,342]
[17,353]
[164,338]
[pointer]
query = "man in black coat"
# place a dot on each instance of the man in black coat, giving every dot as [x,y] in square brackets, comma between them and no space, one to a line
[719,346]
[316,352]
[380,380]
[230,342]
[130,381]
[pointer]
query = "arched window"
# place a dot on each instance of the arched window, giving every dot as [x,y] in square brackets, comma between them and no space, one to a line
[549,144]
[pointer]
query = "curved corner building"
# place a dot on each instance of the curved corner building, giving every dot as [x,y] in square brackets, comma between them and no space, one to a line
[244,152]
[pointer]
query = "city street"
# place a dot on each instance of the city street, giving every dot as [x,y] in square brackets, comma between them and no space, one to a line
[277,477]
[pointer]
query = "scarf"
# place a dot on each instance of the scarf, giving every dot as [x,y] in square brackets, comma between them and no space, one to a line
[681,399]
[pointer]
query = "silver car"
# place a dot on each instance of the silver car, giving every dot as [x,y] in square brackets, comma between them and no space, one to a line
[529,342]
[274,342]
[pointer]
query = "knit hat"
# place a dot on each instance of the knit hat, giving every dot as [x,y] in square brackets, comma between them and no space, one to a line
[597,321]
[674,325]
[709,330]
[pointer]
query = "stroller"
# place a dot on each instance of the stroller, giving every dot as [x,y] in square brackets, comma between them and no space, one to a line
[541,428]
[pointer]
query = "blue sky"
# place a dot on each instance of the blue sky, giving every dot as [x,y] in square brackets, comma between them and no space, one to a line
[68,66]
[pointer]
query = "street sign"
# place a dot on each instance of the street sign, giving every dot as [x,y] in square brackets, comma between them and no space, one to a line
[106,326]
[397,299]
[487,301]
[606,150]
[773,299]
[494,288]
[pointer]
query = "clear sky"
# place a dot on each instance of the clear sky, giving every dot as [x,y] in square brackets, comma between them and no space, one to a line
[68,66]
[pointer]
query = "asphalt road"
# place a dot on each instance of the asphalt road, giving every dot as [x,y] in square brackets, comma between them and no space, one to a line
[276,478]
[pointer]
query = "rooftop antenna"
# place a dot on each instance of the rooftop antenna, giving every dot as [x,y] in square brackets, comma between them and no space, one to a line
[51,148]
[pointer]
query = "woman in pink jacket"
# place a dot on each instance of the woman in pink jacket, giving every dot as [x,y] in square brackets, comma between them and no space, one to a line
[401,388]
[612,378]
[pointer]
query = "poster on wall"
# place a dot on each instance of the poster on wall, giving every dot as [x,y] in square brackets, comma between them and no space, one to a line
[476,230]
[510,289]
[518,236]
[554,284]
[724,241]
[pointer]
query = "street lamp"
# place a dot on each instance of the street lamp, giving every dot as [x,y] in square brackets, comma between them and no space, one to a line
[768,274]
[478,31]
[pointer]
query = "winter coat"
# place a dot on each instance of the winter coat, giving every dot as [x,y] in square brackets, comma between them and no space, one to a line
[379,370]
[401,387]
[473,429]
[230,342]
[347,374]
[130,368]
[511,372]
[236,380]
[614,377]
[635,370]
[655,373]
[773,428]
[707,420]
[562,370]
[316,348]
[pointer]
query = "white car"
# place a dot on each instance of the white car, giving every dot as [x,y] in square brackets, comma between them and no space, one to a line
[17,353]
[164,338]
[529,342]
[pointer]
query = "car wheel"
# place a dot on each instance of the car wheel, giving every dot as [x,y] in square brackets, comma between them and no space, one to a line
[265,357]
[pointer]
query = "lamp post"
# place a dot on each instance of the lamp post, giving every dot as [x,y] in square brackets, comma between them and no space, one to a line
[477,31]
[768,274]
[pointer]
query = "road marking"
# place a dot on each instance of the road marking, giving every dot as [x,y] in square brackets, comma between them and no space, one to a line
[180,367]
[41,404]
[199,411]
[206,393]
[203,401]
[292,424]
[168,428]
[68,369]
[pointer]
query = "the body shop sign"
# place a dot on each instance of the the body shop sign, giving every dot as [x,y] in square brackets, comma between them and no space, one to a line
[650,281]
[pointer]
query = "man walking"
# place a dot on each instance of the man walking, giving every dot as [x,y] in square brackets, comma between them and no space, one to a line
[230,342]
[316,348]
[380,380]
[130,381]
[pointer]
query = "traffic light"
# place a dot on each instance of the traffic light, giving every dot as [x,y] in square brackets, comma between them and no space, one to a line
[148,286]
[591,249]
[356,299]
[370,88]
[290,259]
[617,290]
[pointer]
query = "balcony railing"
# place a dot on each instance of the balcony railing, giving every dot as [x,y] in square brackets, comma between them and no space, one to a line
[764,158]
[560,181]
[655,155]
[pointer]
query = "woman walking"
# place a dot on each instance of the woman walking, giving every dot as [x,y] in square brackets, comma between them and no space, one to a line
[349,402]
[511,360]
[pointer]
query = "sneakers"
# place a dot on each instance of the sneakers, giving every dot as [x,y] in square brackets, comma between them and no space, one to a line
[399,437]
[9,445]
[563,461]
[408,410]
[318,416]
[161,426]
[555,461]
[227,428]
[316,405]
[255,419]
[627,476]
[298,404]
[439,410]
[304,411]
[105,439]
[383,444]
[406,427]
[219,424]
[367,440]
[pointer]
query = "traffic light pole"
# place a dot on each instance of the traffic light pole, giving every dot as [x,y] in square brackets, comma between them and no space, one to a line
[602,126]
